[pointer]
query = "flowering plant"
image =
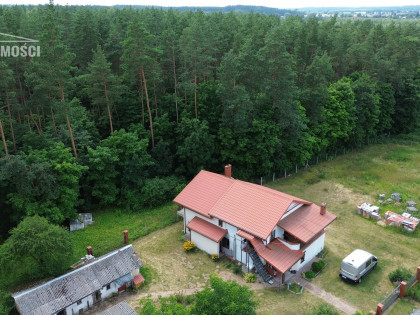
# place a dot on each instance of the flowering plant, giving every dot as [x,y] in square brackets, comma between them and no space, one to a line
[189,246]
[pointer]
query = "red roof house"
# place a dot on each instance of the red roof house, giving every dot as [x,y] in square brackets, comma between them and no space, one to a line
[263,228]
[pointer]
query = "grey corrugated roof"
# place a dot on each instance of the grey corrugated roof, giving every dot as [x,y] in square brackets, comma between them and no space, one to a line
[120,309]
[55,295]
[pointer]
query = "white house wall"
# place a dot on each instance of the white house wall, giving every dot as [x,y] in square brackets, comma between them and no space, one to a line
[105,293]
[189,215]
[313,250]
[279,232]
[85,304]
[204,243]
[241,255]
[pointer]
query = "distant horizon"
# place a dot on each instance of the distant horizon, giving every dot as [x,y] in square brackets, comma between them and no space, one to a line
[299,4]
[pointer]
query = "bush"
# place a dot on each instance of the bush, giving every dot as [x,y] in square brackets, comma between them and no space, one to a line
[325,309]
[414,292]
[322,253]
[318,265]
[237,269]
[190,299]
[400,274]
[309,274]
[250,277]
[215,257]
[189,246]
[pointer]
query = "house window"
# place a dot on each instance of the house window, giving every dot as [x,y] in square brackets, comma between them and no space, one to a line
[79,302]
[220,223]
[303,258]
[225,243]
[108,286]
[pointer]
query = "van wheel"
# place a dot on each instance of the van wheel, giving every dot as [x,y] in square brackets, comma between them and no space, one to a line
[360,280]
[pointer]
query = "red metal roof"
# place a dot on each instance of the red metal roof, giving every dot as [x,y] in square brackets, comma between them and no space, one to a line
[277,254]
[306,222]
[253,208]
[202,193]
[207,229]
[245,235]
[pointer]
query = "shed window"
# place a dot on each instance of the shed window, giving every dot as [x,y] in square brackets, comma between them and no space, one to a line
[108,286]
[79,302]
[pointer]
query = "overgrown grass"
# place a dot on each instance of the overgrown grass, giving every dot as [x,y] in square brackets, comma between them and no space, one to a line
[106,233]
[351,180]
[404,306]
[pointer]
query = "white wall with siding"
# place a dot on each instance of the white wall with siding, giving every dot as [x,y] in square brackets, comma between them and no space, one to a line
[204,243]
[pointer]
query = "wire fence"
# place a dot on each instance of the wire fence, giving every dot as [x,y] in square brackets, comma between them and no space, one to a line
[387,302]
[330,155]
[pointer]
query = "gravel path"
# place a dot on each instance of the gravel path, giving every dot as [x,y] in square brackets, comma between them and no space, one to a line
[328,297]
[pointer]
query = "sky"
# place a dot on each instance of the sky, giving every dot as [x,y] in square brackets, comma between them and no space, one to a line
[282,4]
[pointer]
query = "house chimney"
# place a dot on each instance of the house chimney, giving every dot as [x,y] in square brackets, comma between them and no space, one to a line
[323,208]
[228,170]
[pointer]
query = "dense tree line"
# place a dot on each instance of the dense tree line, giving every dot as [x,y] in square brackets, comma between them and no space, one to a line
[124,105]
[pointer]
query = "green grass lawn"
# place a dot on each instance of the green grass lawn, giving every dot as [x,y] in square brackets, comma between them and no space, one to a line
[350,180]
[403,307]
[106,233]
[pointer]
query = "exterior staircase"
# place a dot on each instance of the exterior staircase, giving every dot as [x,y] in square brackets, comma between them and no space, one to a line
[259,266]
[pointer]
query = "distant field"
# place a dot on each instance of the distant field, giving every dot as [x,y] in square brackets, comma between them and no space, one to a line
[350,180]
[106,233]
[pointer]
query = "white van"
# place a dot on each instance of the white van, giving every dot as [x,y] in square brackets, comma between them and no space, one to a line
[356,265]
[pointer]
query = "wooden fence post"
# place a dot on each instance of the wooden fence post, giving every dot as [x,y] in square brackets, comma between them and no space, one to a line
[89,250]
[126,237]
[402,289]
[418,273]
[379,309]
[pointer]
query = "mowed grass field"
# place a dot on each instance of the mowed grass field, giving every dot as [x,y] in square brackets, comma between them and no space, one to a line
[350,180]
[106,233]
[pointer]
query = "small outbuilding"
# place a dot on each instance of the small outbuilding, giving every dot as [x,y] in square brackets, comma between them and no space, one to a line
[76,291]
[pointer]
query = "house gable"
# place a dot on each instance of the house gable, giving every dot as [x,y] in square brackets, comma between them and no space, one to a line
[306,223]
